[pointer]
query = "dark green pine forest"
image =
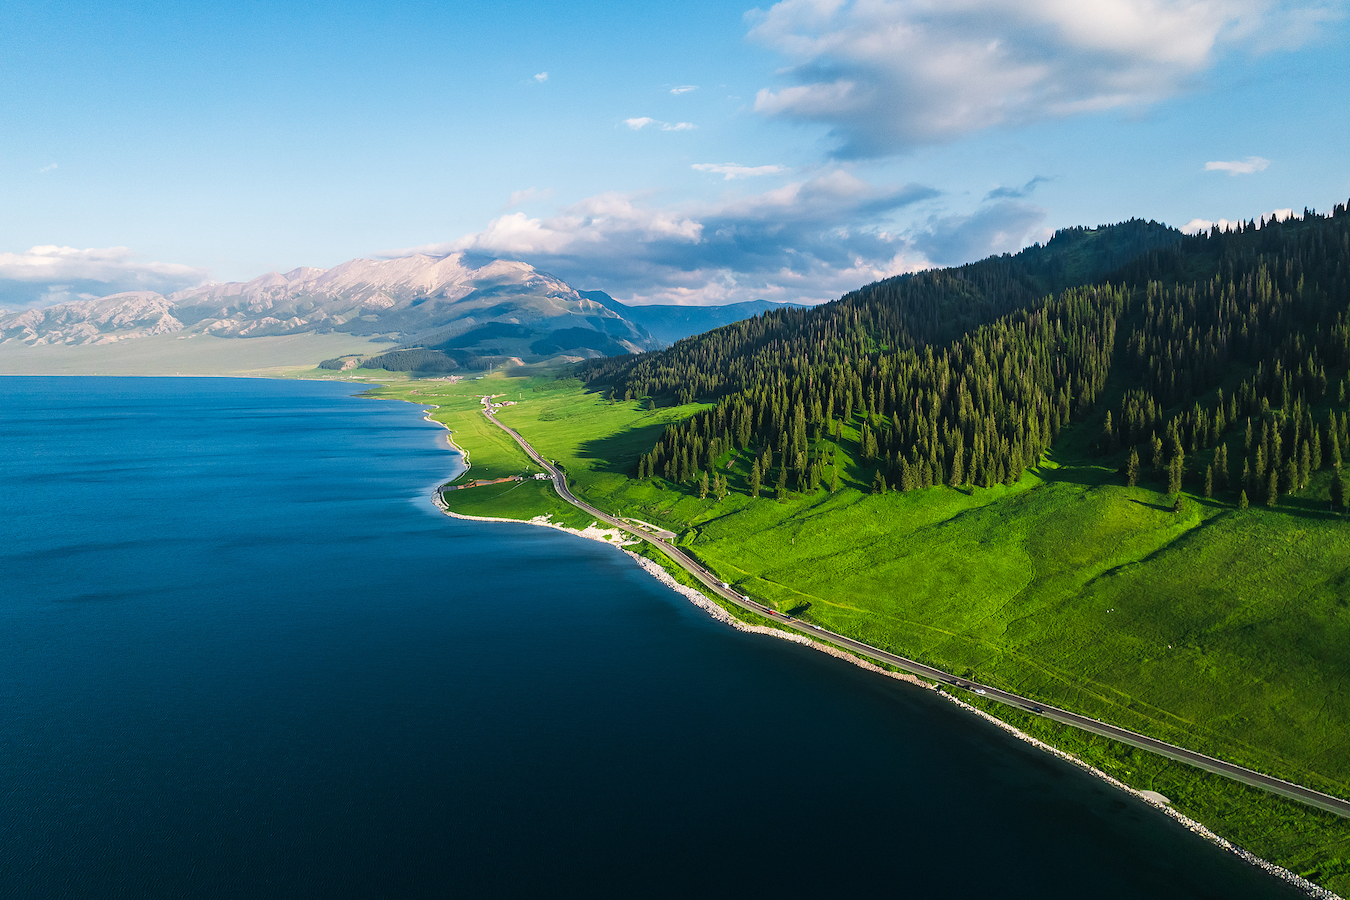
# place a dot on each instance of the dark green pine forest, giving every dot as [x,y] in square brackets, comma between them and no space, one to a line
[1216,364]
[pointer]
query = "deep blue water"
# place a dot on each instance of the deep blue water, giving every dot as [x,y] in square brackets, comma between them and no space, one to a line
[241,654]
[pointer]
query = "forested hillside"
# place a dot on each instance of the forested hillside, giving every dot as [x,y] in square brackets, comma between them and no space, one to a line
[966,376]
[902,313]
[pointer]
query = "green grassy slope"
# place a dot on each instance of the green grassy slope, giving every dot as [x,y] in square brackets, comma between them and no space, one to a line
[1219,629]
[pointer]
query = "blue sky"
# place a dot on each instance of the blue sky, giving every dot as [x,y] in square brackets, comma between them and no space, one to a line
[687,153]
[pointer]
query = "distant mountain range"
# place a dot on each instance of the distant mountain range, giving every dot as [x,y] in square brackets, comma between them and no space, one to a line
[669,324]
[487,306]
[455,308]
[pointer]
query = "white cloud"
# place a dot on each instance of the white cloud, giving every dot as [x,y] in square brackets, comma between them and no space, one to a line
[47,168]
[730,171]
[541,77]
[642,122]
[684,89]
[1196,226]
[1239,167]
[808,241]
[48,274]
[888,75]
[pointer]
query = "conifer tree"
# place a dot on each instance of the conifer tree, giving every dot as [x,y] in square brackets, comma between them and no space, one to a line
[1108,438]
[1209,480]
[834,478]
[781,490]
[879,483]
[1174,473]
[1242,499]
[1290,477]
[703,487]
[1132,468]
[1337,489]
[754,480]
[1273,488]
[1304,464]
[1158,459]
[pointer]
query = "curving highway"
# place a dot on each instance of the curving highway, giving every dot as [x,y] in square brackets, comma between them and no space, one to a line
[662,540]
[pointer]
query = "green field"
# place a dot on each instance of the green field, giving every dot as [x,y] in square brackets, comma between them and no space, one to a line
[1222,630]
[491,454]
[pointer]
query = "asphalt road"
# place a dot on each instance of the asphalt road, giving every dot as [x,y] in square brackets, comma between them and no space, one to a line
[712,583]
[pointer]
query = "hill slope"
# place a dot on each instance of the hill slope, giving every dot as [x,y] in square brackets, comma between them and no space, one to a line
[902,313]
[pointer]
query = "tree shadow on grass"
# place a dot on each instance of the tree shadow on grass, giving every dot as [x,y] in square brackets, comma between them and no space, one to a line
[1076,468]
[1300,507]
[620,452]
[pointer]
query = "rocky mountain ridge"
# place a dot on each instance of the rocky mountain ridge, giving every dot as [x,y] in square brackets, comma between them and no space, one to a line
[406,300]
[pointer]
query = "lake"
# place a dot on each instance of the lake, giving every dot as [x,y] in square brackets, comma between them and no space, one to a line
[243,654]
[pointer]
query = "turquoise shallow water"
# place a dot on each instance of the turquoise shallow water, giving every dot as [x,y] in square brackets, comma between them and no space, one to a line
[242,654]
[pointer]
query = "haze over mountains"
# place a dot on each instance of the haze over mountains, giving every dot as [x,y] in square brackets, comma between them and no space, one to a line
[410,299]
[670,323]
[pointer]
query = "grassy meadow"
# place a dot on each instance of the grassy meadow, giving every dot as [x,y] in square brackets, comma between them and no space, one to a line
[491,454]
[1220,629]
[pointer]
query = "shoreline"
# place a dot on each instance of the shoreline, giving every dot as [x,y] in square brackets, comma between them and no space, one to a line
[720,614]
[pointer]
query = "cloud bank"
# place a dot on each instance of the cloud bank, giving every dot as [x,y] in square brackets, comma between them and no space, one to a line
[889,75]
[50,274]
[807,241]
